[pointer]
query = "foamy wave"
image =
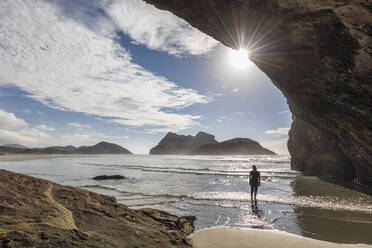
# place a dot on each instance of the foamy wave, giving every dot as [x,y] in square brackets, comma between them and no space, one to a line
[302,201]
[202,171]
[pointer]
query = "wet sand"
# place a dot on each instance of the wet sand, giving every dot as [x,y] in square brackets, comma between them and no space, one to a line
[222,237]
[23,157]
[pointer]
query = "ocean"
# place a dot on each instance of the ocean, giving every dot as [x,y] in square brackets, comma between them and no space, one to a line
[215,190]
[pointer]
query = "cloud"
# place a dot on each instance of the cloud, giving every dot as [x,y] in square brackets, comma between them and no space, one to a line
[78,125]
[67,65]
[44,128]
[16,130]
[282,131]
[283,112]
[236,89]
[157,29]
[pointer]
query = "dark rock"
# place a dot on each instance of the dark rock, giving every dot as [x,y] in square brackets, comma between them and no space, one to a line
[237,146]
[318,53]
[46,214]
[173,143]
[316,153]
[104,177]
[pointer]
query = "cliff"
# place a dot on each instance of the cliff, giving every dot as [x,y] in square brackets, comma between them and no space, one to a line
[238,146]
[174,143]
[318,53]
[39,213]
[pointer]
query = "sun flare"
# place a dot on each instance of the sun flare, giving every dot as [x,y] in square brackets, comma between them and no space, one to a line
[239,59]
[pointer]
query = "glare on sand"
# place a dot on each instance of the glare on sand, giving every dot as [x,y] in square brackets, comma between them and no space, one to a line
[239,59]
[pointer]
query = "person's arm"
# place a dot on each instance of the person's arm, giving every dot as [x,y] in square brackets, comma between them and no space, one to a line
[259,179]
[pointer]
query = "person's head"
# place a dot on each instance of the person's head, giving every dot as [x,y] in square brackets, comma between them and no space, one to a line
[254,167]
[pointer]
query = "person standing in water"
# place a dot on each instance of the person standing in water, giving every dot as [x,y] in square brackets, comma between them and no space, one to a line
[254,181]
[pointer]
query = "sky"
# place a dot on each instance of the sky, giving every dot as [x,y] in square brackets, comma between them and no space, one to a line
[76,72]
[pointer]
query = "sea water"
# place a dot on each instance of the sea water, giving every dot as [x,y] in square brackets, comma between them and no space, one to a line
[215,190]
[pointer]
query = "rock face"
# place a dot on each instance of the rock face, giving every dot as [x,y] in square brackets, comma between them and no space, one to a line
[173,143]
[100,148]
[317,52]
[317,154]
[39,213]
[238,146]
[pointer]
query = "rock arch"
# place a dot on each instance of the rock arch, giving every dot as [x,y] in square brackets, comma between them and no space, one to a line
[318,53]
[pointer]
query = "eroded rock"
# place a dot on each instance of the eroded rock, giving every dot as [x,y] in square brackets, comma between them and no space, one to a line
[39,213]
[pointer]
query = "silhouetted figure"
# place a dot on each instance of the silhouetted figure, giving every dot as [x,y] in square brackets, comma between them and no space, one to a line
[254,181]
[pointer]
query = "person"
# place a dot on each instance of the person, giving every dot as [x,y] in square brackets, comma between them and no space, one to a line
[254,181]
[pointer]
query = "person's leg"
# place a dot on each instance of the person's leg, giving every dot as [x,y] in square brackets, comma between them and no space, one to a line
[255,192]
[252,189]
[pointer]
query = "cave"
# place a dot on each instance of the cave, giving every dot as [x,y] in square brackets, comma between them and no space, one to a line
[318,53]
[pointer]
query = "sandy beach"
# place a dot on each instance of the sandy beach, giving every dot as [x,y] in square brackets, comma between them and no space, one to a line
[223,237]
[23,157]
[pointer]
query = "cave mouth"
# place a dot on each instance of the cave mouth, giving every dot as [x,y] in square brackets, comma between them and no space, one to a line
[317,53]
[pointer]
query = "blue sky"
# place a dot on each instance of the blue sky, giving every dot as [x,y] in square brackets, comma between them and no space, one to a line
[78,72]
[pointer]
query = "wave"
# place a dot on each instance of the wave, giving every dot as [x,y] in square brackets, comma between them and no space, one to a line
[201,171]
[244,197]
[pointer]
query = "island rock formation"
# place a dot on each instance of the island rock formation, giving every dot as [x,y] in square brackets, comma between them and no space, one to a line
[39,213]
[205,144]
[319,54]
[100,148]
[238,146]
[174,143]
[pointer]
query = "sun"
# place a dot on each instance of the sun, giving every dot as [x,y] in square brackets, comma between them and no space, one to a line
[239,59]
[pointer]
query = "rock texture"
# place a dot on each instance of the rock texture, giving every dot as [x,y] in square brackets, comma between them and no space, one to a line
[100,148]
[238,146]
[316,153]
[317,52]
[39,213]
[174,143]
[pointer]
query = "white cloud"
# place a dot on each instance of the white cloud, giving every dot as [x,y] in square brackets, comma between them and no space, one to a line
[236,89]
[44,128]
[282,131]
[16,130]
[8,121]
[157,29]
[69,66]
[78,125]
[283,112]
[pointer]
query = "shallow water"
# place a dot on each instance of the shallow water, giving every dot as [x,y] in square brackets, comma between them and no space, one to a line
[215,189]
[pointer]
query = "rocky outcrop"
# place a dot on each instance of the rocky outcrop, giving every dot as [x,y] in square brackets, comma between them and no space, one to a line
[174,143]
[108,177]
[317,154]
[100,148]
[318,53]
[238,146]
[39,213]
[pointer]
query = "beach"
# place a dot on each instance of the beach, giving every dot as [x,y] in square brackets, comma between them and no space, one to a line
[222,237]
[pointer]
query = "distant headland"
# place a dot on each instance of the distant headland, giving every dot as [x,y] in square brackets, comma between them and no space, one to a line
[206,144]
[99,148]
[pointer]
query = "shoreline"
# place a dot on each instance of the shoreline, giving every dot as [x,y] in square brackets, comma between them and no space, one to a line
[24,157]
[222,237]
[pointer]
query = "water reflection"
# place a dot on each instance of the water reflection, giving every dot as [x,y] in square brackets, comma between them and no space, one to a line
[336,225]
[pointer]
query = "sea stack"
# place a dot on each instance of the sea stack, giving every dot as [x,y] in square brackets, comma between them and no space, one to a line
[174,143]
